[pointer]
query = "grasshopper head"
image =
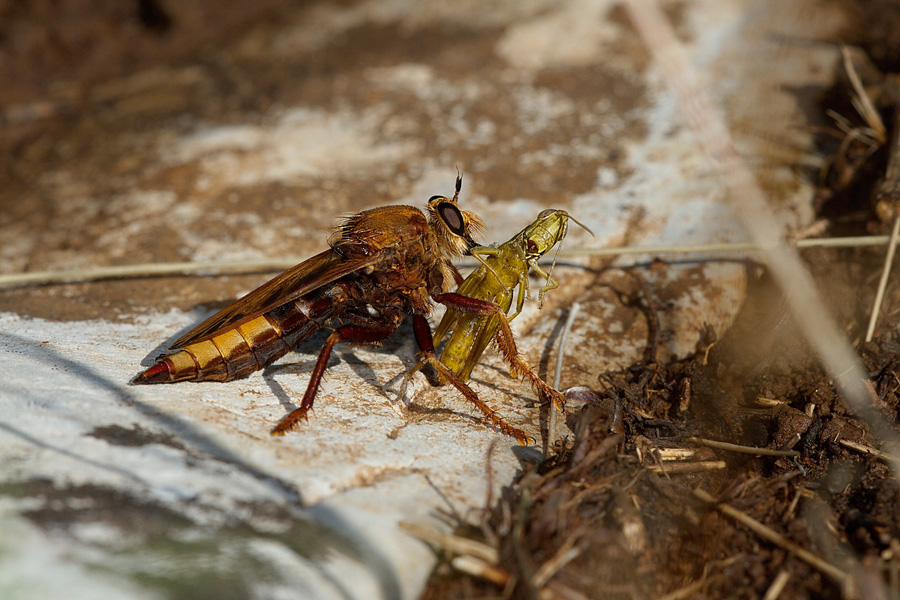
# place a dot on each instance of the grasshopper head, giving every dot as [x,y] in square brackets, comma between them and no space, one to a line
[453,228]
[548,229]
[545,232]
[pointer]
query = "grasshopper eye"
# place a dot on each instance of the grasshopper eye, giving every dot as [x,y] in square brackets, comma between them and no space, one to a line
[532,247]
[452,217]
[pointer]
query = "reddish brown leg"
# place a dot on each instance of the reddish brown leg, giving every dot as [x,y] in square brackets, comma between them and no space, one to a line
[505,342]
[353,333]
[426,345]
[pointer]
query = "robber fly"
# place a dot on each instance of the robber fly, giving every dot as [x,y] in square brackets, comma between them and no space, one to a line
[382,264]
[477,311]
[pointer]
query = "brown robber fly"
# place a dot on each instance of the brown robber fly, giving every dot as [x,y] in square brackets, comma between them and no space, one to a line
[382,264]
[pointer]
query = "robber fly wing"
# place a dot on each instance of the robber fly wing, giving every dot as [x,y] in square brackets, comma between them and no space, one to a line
[311,274]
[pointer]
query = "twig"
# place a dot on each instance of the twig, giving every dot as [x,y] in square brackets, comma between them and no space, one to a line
[763,401]
[145,270]
[564,338]
[668,454]
[214,268]
[882,283]
[777,585]
[563,556]
[486,530]
[687,467]
[865,449]
[727,247]
[478,568]
[738,448]
[861,102]
[652,347]
[837,575]
[688,591]
[553,424]
[453,544]
[893,570]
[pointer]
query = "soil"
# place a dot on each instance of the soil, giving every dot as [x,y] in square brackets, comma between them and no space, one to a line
[634,518]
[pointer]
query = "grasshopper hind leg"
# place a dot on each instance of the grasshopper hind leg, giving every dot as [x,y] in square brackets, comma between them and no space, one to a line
[506,343]
[423,338]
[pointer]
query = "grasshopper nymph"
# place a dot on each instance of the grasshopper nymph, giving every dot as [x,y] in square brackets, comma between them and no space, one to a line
[477,311]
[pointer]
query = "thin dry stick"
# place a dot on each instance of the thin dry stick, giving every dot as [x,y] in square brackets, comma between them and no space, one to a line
[888,195]
[668,454]
[749,201]
[553,424]
[727,247]
[563,556]
[837,575]
[865,449]
[861,101]
[688,591]
[882,283]
[687,467]
[744,449]
[453,544]
[280,264]
[777,585]
[145,270]
[893,570]
[478,568]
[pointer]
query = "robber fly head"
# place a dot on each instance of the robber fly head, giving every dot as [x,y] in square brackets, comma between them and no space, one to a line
[453,227]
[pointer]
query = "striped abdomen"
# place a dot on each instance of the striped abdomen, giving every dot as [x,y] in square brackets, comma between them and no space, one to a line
[235,352]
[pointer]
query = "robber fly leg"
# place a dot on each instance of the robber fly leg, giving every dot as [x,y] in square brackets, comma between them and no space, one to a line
[505,341]
[423,338]
[351,333]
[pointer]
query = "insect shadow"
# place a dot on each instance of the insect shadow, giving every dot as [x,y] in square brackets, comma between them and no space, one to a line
[299,370]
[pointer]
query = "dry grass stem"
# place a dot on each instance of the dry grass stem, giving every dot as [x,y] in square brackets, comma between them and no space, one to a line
[770,402]
[553,421]
[835,574]
[452,544]
[861,101]
[478,568]
[865,449]
[676,453]
[687,591]
[687,467]
[243,267]
[777,585]
[744,449]
[563,556]
[882,283]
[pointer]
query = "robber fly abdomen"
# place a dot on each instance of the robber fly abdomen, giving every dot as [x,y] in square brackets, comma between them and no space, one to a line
[241,350]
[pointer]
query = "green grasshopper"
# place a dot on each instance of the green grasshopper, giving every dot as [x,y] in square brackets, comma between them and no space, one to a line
[477,311]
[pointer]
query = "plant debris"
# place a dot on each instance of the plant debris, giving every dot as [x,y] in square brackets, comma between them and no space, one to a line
[738,471]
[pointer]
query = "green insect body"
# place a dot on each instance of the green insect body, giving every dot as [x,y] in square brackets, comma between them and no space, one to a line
[477,312]
[503,269]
